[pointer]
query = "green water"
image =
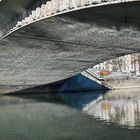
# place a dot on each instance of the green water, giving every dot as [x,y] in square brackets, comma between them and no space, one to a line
[60,117]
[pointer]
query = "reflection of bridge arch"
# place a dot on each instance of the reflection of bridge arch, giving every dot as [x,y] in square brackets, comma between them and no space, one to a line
[63,45]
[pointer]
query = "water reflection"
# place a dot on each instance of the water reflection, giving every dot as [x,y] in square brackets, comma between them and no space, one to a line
[81,99]
[64,116]
[121,107]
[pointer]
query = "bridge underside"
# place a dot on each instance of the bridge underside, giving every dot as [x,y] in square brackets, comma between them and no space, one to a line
[61,46]
[10,9]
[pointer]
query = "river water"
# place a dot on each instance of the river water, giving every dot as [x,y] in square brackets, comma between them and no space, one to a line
[113,115]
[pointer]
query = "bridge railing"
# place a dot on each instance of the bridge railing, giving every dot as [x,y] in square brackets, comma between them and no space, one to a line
[44,8]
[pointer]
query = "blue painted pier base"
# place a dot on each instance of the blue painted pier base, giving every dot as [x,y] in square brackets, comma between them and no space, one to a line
[81,83]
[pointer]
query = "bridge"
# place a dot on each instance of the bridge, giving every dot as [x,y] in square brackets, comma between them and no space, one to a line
[46,41]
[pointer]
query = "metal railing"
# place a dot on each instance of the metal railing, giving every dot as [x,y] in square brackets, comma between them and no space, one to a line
[44,8]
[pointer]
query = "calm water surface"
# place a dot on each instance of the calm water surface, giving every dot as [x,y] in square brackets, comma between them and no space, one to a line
[114,115]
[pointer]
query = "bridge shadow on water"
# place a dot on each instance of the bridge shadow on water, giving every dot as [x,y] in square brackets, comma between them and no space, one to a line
[119,107]
[77,100]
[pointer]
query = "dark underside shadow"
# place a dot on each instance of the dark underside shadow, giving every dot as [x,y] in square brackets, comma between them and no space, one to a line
[78,83]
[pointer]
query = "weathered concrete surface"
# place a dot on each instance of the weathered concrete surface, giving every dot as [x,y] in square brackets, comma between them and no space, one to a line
[61,46]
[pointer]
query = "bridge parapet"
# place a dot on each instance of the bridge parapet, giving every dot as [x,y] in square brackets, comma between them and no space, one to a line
[47,8]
